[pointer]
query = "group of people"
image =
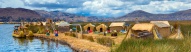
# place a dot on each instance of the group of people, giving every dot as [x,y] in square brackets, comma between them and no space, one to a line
[55,32]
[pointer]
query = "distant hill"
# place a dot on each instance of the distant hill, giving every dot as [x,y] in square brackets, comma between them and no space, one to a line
[70,17]
[142,16]
[17,14]
[62,16]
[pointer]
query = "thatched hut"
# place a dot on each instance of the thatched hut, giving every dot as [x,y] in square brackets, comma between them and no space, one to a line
[101,28]
[63,26]
[34,23]
[39,23]
[57,23]
[143,30]
[44,23]
[143,26]
[89,27]
[177,34]
[118,26]
[163,28]
[49,21]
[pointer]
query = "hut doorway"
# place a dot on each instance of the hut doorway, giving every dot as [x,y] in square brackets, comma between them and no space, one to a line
[88,28]
[101,29]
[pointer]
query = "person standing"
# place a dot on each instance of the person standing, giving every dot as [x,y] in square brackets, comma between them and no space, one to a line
[47,32]
[56,32]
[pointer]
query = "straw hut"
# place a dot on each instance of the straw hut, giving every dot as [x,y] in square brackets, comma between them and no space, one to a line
[163,28]
[36,23]
[49,21]
[63,26]
[101,28]
[44,23]
[57,23]
[39,23]
[89,27]
[143,30]
[118,26]
[143,26]
[177,35]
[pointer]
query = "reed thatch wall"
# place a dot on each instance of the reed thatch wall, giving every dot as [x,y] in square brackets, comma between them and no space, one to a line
[164,32]
[101,26]
[89,26]
[63,29]
[117,28]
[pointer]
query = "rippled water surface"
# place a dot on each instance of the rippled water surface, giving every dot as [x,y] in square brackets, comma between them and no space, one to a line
[10,44]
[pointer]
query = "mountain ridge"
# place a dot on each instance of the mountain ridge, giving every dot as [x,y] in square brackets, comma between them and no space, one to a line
[18,14]
[145,16]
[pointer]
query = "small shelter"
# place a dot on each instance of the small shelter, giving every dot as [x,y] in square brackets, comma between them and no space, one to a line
[163,28]
[49,20]
[39,23]
[118,26]
[63,26]
[44,23]
[177,35]
[143,30]
[57,23]
[34,23]
[143,26]
[101,28]
[89,27]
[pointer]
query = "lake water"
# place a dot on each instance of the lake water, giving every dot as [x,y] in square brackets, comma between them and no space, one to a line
[11,44]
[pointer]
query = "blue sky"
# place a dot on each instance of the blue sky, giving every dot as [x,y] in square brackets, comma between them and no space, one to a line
[107,8]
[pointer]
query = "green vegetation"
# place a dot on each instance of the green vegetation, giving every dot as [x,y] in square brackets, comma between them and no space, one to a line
[185,29]
[148,45]
[33,28]
[41,30]
[105,41]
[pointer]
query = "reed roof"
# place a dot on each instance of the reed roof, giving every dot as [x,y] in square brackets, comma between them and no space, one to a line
[143,26]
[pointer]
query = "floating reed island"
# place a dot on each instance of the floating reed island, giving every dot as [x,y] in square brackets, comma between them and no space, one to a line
[49,30]
[97,37]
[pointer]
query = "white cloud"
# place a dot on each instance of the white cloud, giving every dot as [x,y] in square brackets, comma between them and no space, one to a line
[103,7]
[110,8]
[40,1]
[10,3]
[115,8]
[162,7]
[72,10]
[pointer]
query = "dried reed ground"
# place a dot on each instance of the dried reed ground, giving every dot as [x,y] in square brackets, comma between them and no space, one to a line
[80,45]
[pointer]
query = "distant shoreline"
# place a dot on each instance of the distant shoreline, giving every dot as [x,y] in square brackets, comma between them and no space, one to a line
[105,21]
